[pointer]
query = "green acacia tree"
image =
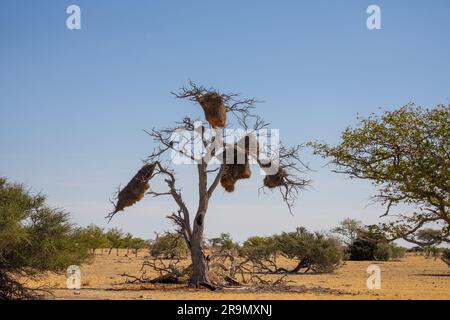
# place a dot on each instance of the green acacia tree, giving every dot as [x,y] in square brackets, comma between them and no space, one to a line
[169,246]
[348,230]
[224,242]
[34,238]
[428,238]
[94,237]
[138,244]
[405,153]
[115,240]
[259,248]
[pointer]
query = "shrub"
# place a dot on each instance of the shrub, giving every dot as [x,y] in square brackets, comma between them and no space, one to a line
[257,248]
[362,249]
[383,251]
[314,251]
[398,252]
[372,245]
[115,239]
[93,236]
[34,238]
[224,243]
[169,246]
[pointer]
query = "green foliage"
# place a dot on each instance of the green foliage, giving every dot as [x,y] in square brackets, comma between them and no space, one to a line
[397,252]
[138,243]
[348,230]
[115,239]
[427,238]
[371,245]
[259,248]
[224,242]
[315,251]
[169,246]
[405,153]
[33,238]
[93,236]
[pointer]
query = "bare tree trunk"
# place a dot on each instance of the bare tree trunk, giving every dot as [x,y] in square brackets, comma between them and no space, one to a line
[199,262]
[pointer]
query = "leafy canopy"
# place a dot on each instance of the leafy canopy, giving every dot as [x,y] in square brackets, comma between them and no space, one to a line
[405,153]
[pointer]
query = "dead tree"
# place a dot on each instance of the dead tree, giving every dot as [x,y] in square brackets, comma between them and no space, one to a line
[213,147]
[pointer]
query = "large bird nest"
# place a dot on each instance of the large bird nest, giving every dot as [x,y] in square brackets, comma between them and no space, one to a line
[238,166]
[214,109]
[135,190]
[275,180]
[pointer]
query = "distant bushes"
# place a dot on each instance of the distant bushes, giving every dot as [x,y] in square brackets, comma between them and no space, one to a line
[224,243]
[313,251]
[169,246]
[255,248]
[363,249]
[365,243]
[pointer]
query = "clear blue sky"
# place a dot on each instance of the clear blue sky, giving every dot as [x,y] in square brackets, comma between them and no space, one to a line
[73,103]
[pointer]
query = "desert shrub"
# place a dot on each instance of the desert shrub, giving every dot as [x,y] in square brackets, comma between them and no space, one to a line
[371,244]
[34,238]
[138,244]
[446,256]
[224,243]
[397,252]
[169,246]
[93,236]
[383,252]
[257,248]
[315,251]
[115,239]
[362,249]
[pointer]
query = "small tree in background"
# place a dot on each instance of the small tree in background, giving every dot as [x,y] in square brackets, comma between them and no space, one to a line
[138,244]
[127,242]
[224,243]
[34,238]
[259,248]
[348,230]
[169,246]
[94,237]
[115,240]
[428,238]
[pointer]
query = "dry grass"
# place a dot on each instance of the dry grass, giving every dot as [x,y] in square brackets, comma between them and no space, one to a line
[412,278]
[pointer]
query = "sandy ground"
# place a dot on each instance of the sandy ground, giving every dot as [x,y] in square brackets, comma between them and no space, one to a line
[414,277]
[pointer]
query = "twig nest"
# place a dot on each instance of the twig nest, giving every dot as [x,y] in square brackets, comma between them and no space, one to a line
[135,189]
[235,171]
[214,109]
[275,180]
